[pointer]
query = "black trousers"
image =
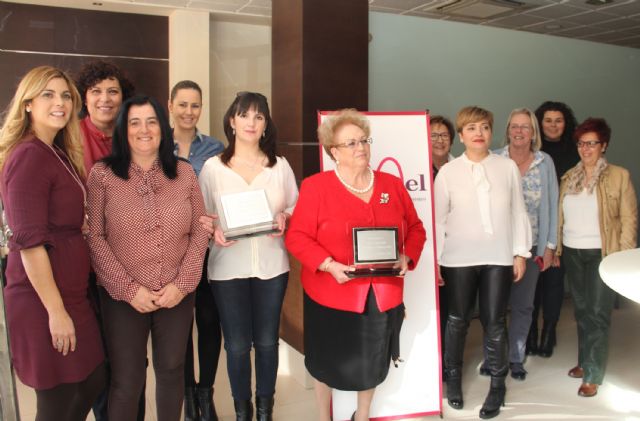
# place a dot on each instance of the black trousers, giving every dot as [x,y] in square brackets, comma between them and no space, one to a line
[126,333]
[549,295]
[209,336]
[70,401]
[493,284]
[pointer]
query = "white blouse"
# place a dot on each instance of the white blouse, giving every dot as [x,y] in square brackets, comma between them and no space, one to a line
[480,215]
[262,256]
[581,228]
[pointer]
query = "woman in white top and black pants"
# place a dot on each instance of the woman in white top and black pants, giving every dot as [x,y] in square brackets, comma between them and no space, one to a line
[483,239]
[249,276]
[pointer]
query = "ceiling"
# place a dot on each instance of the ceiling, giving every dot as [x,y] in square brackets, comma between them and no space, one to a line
[608,21]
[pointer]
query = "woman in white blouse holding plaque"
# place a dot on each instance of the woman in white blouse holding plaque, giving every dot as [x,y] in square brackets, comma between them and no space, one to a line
[248,276]
[483,240]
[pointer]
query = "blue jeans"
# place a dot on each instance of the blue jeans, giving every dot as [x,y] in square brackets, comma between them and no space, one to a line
[249,311]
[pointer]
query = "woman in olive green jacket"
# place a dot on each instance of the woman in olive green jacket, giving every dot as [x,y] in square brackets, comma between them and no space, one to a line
[597,216]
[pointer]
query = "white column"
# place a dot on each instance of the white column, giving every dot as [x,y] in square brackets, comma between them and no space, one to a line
[189,55]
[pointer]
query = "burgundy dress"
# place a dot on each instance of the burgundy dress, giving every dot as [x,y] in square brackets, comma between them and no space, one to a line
[44,206]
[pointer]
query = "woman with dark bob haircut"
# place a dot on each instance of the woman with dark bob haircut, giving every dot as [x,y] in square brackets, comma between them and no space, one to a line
[147,247]
[557,123]
[248,276]
[598,216]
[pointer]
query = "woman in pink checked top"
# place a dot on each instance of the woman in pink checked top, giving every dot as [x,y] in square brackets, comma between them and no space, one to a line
[147,248]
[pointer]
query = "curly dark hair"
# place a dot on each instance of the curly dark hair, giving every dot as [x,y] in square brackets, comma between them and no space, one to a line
[570,121]
[96,71]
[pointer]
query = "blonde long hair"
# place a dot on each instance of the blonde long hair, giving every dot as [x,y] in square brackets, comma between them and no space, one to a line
[17,122]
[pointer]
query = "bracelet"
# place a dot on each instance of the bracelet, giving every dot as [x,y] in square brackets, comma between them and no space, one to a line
[326,265]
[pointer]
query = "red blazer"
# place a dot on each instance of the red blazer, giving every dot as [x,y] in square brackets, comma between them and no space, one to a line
[320,228]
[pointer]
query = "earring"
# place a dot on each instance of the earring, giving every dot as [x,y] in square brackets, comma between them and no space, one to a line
[264,134]
[28,110]
[234,131]
[337,162]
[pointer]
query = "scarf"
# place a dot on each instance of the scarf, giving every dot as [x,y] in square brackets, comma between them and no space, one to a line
[576,178]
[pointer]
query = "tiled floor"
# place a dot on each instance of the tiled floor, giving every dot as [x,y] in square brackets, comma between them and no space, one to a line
[547,394]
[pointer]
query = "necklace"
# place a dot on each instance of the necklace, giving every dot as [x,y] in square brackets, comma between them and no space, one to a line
[73,173]
[246,163]
[353,189]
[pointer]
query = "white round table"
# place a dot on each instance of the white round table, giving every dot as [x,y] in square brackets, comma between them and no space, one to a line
[621,271]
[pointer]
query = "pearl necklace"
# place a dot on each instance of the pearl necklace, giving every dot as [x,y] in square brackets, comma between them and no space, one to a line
[353,189]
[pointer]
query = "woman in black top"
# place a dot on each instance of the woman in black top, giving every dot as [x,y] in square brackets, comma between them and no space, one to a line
[557,123]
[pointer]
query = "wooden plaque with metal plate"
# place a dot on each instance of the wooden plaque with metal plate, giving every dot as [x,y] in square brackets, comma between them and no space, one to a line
[376,252]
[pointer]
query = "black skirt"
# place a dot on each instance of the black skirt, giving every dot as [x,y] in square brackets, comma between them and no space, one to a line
[347,350]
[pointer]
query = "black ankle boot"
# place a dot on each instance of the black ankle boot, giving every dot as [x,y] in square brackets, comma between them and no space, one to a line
[244,410]
[454,388]
[205,402]
[191,412]
[548,340]
[531,348]
[264,408]
[495,399]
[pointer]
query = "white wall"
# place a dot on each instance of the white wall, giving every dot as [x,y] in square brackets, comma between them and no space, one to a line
[240,60]
[418,63]
[188,44]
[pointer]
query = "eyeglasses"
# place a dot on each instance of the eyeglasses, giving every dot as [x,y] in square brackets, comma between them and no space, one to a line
[352,144]
[523,127]
[588,144]
[243,93]
[442,137]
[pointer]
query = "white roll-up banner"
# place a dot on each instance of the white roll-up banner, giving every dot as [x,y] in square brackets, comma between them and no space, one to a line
[401,147]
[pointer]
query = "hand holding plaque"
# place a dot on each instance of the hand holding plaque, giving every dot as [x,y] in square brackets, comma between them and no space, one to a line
[377,251]
[245,214]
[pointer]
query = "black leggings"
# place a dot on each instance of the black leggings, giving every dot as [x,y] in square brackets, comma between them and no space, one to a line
[70,401]
[209,336]
[492,283]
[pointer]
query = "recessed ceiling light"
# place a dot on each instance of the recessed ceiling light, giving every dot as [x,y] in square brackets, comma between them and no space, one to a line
[598,2]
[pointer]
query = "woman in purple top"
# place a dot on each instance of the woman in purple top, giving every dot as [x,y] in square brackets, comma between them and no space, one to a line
[55,342]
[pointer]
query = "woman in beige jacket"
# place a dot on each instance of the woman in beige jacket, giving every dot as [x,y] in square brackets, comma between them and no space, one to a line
[597,216]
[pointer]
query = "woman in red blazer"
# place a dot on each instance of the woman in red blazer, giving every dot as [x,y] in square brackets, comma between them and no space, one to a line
[361,314]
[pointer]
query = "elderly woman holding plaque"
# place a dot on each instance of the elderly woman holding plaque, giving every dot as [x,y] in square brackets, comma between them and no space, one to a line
[352,310]
[483,241]
[253,191]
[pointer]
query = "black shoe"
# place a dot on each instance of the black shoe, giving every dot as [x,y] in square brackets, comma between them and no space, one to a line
[244,410]
[517,371]
[454,388]
[495,399]
[484,370]
[264,408]
[191,411]
[531,347]
[205,402]
[548,340]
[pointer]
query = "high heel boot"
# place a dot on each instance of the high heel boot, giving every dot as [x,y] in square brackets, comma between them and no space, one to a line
[264,408]
[495,398]
[548,340]
[531,348]
[205,402]
[191,412]
[244,410]
[454,388]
